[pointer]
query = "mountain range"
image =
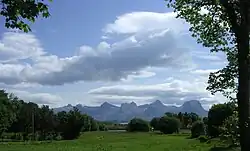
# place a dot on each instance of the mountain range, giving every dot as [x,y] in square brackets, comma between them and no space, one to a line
[127,111]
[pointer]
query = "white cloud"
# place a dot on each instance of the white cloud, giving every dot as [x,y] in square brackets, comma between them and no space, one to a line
[206,55]
[140,74]
[203,72]
[125,59]
[137,22]
[170,92]
[39,98]
[143,41]
[17,45]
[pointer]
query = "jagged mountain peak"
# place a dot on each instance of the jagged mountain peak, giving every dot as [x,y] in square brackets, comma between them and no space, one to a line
[133,103]
[109,112]
[128,105]
[194,103]
[69,105]
[106,104]
[193,106]
[157,103]
[79,105]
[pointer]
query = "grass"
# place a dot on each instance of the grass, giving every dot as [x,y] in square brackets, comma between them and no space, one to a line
[107,141]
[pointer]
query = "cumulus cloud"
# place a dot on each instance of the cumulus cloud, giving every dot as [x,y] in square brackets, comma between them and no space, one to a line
[203,72]
[125,59]
[140,41]
[170,92]
[15,45]
[39,98]
[136,22]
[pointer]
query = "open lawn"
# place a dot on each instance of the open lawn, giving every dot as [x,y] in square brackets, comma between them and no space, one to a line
[107,141]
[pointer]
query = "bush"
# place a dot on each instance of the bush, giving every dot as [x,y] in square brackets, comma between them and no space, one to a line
[138,125]
[154,123]
[203,139]
[230,130]
[197,129]
[102,127]
[217,115]
[169,125]
[70,124]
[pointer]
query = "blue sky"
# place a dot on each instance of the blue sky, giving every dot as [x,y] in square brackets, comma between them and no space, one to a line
[89,52]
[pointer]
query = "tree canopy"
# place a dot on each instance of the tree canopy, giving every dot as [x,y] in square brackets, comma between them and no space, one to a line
[26,120]
[217,115]
[138,125]
[223,25]
[169,125]
[18,13]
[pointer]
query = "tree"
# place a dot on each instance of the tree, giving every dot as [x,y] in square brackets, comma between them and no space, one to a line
[86,123]
[205,120]
[169,125]
[102,127]
[224,26]
[197,129]
[7,112]
[193,117]
[217,115]
[186,120]
[46,121]
[28,120]
[155,123]
[18,12]
[169,114]
[94,124]
[70,124]
[137,125]
[230,129]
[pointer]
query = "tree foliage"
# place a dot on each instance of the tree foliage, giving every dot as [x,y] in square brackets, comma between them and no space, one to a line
[18,13]
[186,119]
[217,115]
[138,125]
[29,121]
[154,123]
[230,130]
[210,26]
[197,129]
[70,124]
[169,125]
[223,25]
[7,114]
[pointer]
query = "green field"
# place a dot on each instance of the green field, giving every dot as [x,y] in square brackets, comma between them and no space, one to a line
[113,141]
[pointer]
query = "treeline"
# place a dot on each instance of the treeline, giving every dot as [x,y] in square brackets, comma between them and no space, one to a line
[169,123]
[222,122]
[20,120]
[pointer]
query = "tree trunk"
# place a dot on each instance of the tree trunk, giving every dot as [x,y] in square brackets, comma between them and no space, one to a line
[243,95]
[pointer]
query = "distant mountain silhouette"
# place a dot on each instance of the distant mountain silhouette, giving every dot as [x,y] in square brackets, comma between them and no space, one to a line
[127,111]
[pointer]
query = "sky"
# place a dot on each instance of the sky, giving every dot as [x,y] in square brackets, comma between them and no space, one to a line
[90,51]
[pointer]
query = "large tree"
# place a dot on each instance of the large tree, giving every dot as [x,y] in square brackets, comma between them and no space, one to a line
[7,112]
[223,25]
[217,115]
[18,13]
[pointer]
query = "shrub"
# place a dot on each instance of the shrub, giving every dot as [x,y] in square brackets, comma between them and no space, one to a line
[94,125]
[203,139]
[169,125]
[197,129]
[230,130]
[138,125]
[70,124]
[155,123]
[102,127]
[217,115]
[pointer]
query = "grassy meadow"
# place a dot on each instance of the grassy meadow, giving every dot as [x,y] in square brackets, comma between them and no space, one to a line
[114,141]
